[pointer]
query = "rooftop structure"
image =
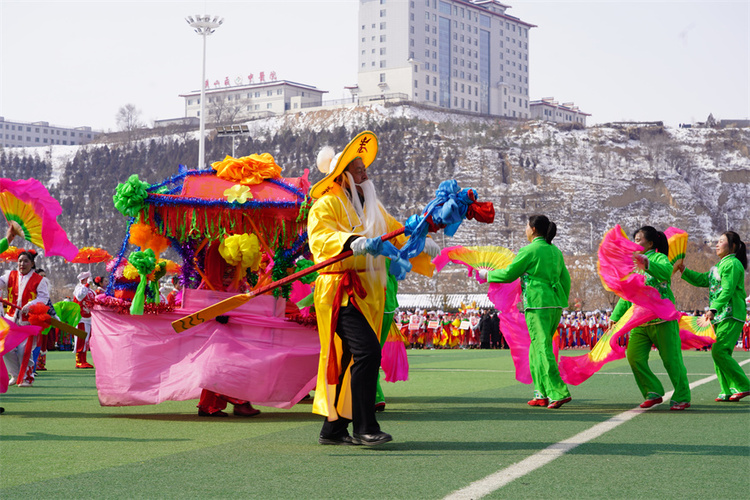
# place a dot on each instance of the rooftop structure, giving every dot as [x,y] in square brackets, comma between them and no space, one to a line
[548,109]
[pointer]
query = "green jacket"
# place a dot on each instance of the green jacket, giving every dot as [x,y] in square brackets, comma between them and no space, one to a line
[658,275]
[726,288]
[545,280]
[3,245]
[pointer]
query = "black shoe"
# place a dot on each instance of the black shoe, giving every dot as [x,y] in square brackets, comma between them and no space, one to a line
[341,440]
[372,439]
[2,410]
[380,406]
[219,413]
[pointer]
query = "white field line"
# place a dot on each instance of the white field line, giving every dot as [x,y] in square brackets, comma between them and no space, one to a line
[495,481]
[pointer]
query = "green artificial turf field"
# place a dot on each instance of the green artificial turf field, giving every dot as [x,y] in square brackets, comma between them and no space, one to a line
[460,417]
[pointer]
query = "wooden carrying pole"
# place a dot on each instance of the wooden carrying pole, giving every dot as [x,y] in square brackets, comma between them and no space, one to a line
[226,305]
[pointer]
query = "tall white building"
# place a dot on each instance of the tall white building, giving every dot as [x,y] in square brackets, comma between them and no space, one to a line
[459,54]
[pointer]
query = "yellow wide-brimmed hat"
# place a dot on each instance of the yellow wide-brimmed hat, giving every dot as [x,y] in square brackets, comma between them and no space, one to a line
[364,146]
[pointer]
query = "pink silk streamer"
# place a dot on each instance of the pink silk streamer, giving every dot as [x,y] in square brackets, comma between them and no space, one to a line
[394,361]
[616,272]
[577,369]
[11,335]
[258,356]
[47,208]
[506,297]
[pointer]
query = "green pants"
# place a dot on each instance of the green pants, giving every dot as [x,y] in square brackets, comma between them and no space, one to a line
[542,324]
[666,337]
[731,377]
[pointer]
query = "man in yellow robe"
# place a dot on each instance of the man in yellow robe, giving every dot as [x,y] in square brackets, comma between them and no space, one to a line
[350,294]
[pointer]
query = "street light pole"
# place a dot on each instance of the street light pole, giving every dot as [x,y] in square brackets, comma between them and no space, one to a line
[204,26]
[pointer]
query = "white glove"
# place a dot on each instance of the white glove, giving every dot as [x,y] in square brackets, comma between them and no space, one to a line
[358,246]
[482,274]
[431,248]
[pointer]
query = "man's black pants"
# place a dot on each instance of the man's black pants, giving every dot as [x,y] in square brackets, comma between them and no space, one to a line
[360,343]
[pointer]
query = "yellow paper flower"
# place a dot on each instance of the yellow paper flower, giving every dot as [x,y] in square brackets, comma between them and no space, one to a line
[130,272]
[238,193]
[247,170]
[241,250]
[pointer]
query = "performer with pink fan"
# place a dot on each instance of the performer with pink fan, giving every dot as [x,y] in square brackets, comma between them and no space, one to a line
[663,333]
[545,286]
[726,293]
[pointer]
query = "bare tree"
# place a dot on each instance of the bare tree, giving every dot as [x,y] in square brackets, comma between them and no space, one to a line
[129,120]
[225,109]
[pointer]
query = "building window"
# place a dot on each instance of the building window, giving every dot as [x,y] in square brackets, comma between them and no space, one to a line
[382,77]
[382,26]
[382,12]
[269,92]
[269,105]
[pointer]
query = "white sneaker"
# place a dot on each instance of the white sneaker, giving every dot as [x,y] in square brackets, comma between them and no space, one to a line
[12,380]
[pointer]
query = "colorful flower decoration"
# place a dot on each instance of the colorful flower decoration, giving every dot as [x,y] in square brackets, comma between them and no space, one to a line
[144,263]
[129,197]
[238,193]
[241,250]
[248,170]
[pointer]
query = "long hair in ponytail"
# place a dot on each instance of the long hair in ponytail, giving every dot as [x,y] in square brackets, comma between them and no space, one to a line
[740,250]
[543,226]
[657,238]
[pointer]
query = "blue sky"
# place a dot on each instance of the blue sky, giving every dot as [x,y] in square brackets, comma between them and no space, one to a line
[77,63]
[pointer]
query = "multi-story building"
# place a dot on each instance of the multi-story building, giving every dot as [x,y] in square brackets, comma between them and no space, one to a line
[459,54]
[34,134]
[549,110]
[229,103]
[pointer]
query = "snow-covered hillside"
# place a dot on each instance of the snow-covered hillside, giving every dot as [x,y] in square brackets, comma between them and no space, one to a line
[585,180]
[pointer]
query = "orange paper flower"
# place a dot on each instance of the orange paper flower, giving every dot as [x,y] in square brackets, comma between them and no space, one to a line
[248,170]
[143,236]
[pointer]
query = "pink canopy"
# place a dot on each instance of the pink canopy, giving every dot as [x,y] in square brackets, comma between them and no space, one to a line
[258,356]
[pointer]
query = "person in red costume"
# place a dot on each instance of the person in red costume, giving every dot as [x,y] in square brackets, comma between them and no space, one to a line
[24,288]
[84,296]
[218,276]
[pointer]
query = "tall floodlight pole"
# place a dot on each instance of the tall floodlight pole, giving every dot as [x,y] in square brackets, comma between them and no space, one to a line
[204,26]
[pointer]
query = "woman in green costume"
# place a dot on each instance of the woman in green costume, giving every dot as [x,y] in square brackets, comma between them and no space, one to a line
[726,295]
[665,335]
[545,282]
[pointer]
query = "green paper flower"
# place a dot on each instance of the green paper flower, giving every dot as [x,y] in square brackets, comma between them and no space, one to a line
[129,197]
